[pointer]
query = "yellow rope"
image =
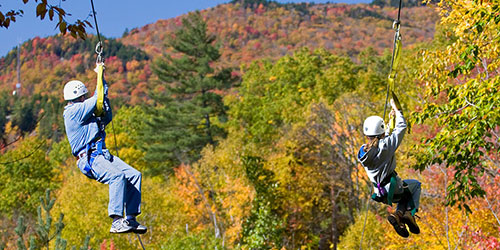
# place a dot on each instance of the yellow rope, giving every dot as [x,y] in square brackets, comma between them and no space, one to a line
[100,90]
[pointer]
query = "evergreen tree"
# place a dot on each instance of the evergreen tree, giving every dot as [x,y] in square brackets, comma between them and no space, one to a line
[185,114]
[4,111]
[24,114]
[44,224]
[45,230]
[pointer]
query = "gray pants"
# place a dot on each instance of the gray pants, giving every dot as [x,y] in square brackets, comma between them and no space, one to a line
[403,202]
[124,183]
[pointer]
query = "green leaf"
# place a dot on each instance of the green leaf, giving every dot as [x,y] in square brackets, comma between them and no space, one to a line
[51,14]
[41,9]
[62,27]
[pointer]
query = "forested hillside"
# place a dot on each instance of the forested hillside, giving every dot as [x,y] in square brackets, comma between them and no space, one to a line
[246,120]
[254,31]
[244,33]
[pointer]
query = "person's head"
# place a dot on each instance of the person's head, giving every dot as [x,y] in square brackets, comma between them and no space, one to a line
[75,91]
[374,130]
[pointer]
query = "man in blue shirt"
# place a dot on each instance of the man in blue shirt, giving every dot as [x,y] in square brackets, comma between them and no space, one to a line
[85,132]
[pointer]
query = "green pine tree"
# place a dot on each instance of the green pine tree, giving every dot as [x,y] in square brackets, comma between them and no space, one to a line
[187,114]
[44,229]
[4,111]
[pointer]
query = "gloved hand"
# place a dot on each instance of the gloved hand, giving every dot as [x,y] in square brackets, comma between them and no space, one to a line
[96,69]
[394,107]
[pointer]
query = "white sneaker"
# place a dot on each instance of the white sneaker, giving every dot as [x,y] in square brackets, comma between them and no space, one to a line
[120,226]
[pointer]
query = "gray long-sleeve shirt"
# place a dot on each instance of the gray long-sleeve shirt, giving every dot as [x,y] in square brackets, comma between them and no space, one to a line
[379,162]
[81,124]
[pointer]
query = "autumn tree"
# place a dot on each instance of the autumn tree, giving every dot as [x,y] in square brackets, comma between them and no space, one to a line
[188,112]
[263,228]
[461,90]
[364,233]
[274,95]
[301,116]
[26,173]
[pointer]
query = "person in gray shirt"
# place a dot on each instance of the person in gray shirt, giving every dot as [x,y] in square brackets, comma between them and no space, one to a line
[86,136]
[378,159]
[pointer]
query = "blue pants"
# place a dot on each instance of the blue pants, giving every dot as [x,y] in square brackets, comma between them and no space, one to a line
[124,183]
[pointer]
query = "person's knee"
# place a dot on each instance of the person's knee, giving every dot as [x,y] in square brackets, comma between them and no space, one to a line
[137,175]
[117,176]
[418,185]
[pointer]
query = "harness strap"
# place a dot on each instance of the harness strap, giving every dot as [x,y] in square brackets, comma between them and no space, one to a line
[388,197]
[396,54]
[392,187]
[100,90]
[98,147]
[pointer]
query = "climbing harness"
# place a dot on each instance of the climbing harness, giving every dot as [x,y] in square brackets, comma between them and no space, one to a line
[94,149]
[99,112]
[388,197]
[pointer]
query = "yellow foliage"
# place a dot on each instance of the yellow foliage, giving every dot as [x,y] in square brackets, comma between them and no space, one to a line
[84,205]
[369,235]
[215,186]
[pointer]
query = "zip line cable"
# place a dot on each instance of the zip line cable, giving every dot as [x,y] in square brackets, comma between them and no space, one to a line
[99,50]
[22,137]
[95,21]
[24,157]
[366,217]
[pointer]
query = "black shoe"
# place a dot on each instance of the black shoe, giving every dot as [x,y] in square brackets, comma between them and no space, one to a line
[137,228]
[399,226]
[409,220]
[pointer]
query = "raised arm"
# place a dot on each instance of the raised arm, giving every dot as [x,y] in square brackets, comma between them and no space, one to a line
[397,135]
[85,109]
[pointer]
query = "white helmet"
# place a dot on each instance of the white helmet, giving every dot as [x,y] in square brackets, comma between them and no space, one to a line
[373,126]
[74,89]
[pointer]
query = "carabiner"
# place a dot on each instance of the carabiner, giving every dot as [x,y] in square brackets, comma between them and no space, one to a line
[98,50]
[396,24]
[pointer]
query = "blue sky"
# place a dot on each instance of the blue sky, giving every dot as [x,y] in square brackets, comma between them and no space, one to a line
[114,16]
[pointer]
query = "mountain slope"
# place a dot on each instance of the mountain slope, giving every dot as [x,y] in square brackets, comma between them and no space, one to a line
[243,33]
[246,34]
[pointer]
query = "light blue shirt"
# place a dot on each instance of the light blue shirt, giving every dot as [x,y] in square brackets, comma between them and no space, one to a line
[81,124]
